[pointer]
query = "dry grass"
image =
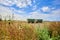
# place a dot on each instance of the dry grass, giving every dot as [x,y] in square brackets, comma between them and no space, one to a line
[17,30]
[55,28]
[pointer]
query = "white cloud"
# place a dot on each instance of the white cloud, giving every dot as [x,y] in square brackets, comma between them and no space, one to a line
[38,15]
[7,2]
[55,15]
[19,3]
[6,12]
[17,11]
[45,9]
[52,16]
[34,7]
[23,3]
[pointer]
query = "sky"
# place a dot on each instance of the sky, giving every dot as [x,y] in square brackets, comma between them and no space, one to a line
[48,10]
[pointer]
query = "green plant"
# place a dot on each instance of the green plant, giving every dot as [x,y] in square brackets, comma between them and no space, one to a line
[42,34]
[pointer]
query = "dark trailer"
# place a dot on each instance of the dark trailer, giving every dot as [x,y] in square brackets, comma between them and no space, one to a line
[39,21]
[34,20]
[30,20]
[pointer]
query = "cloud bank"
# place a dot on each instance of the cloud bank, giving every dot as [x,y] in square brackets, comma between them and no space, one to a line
[53,14]
[19,3]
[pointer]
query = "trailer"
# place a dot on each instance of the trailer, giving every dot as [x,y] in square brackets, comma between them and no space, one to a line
[34,20]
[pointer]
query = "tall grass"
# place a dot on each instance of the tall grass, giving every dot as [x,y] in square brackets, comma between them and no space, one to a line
[49,33]
[42,34]
[55,29]
[26,31]
[10,32]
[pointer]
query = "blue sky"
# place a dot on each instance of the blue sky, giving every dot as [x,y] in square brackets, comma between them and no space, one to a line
[48,10]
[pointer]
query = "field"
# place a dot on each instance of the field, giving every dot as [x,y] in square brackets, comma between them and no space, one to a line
[18,30]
